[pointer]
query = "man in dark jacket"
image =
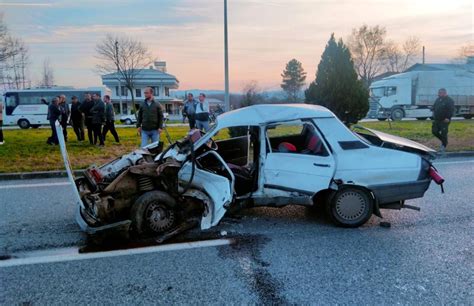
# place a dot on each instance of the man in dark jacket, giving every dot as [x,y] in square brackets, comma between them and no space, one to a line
[189,110]
[109,119]
[53,115]
[85,108]
[98,118]
[77,118]
[150,119]
[63,120]
[443,110]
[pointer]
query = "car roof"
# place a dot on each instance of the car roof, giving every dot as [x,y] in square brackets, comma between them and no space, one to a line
[262,114]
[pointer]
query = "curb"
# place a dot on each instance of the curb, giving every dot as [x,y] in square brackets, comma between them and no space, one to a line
[59,174]
[35,175]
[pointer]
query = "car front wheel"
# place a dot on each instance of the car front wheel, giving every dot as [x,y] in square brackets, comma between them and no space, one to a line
[154,212]
[128,121]
[351,207]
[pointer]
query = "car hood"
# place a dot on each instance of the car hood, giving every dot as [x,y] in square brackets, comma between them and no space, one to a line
[395,142]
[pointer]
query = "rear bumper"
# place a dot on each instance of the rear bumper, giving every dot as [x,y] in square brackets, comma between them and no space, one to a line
[389,193]
[121,226]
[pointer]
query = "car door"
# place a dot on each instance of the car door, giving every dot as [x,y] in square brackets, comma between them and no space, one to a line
[297,168]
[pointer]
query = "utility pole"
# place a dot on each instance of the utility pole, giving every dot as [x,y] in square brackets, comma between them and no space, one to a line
[226,61]
[119,76]
[423,60]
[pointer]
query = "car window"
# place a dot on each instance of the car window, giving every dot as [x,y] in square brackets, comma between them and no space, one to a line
[298,137]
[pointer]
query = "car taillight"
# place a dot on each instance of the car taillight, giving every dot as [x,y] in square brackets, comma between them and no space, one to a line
[95,174]
[436,176]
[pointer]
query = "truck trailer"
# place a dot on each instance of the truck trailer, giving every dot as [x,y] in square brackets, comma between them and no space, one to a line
[412,94]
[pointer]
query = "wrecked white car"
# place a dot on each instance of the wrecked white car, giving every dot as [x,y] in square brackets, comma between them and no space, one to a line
[263,155]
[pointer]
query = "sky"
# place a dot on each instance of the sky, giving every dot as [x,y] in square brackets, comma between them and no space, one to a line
[188,34]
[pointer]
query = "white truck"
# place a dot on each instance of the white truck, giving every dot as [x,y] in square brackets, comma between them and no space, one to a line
[412,94]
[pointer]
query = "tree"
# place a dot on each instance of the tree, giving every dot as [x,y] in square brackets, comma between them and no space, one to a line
[464,53]
[367,46]
[124,56]
[13,59]
[47,77]
[251,94]
[293,79]
[399,59]
[336,85]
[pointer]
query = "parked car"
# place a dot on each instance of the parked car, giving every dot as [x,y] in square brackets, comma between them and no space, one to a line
[131,119]
[262,155]
[128,119]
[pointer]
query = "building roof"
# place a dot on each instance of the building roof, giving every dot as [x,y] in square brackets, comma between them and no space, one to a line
[435,67]
[143,76]
[267,113]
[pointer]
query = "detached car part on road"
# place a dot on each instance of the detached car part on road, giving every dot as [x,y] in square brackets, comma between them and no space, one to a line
[267,155]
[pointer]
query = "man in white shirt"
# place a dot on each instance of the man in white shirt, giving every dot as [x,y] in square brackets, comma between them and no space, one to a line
[202,113]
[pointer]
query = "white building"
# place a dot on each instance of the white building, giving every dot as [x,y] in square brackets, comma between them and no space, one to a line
[155,77]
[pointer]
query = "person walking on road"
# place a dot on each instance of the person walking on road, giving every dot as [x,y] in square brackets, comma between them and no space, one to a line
[150,119]
[77,118]
[64,119]
[202,113]
[1,123]
[109,119]
[443,110]
[85,108]
[53,115]
[190,110]
[98,118]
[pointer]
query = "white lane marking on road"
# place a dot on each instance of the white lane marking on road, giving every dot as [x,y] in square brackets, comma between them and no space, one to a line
[454,162]
[34,185]
[72,254]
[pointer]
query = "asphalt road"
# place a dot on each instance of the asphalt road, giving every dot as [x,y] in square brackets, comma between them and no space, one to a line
[288,255]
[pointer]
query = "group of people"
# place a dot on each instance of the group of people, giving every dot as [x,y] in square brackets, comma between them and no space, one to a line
[197,112]
[98,117]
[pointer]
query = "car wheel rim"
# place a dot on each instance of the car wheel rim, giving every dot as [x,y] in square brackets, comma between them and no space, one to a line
[351,205]
[159,217]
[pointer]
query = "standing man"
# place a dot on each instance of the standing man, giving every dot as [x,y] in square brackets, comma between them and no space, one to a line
[109,119]
[53,115]
[85,108]
[202,113]
[190,110]
[1,123]
[98,118]
[64,108]
[150,119]
[77,118]
[443,110]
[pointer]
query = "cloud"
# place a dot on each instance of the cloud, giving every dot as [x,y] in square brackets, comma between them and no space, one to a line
[24,4]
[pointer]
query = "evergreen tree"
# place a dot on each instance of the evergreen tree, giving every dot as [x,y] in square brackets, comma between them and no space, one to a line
[337,86]
[293,79]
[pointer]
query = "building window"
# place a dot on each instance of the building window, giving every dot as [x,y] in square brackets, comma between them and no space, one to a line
[138,93]
[167,91]
[116,91]
[124,91]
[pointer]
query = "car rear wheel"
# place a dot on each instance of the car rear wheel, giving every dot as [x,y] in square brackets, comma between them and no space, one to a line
[381,119]
[128,121]
[467,116]
[351,207]
[154,212]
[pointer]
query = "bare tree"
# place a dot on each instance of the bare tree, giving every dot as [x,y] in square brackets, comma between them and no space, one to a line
[124,56]
[367,46]
[463,53]
[251,94]
[47,79]
[399,59]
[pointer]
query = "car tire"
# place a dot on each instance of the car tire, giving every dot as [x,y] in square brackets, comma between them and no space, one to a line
[421,118]
[35,126]
[154,212]
[397,114]
[381,119]
[128,122]
[467,116]
[351,207]
[24,124]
